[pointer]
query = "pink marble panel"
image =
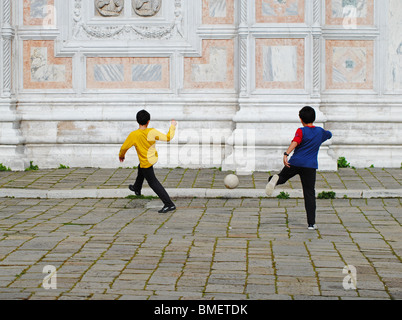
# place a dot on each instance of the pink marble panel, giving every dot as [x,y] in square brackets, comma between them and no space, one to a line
[214,70]
[280,63]
[128,73]
[39,12]
[218,12]
[42,70]
[338,12]
[279,11]
[350,64]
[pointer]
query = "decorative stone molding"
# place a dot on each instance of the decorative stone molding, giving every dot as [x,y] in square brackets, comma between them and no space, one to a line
[169,30]
[128,31]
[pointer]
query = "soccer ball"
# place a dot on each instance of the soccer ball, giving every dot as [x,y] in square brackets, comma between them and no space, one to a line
[231,181]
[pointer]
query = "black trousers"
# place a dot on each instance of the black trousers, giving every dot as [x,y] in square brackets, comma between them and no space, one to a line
[308,178]
[149,175]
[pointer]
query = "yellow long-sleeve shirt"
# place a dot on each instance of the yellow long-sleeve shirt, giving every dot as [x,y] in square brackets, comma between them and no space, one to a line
[144,142]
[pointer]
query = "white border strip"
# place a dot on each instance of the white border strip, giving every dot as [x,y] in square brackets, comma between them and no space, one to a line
[191,193]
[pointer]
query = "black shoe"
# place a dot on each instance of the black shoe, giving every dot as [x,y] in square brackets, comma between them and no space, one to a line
[166,209]
[137,193]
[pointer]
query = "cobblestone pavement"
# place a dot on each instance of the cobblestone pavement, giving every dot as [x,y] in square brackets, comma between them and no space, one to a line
[89,178]
[207,249]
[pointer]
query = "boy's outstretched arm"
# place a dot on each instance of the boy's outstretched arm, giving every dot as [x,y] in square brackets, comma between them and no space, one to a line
[156,135]
[327,135]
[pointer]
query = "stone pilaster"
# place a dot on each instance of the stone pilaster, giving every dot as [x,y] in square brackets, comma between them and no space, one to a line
[244,46]
[241,145]
[317,35]
[11,153]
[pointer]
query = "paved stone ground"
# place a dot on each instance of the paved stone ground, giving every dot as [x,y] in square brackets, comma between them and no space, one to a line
[210,248]
[207,249]
[89,178]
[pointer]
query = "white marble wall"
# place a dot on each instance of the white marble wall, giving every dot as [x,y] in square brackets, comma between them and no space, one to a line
[234,73]
[394,34]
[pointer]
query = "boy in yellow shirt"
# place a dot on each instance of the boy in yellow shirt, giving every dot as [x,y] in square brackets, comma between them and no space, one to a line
[144,140]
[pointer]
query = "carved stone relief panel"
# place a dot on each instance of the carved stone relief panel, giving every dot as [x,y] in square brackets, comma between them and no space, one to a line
[146,8]
[109,8]
[134,23]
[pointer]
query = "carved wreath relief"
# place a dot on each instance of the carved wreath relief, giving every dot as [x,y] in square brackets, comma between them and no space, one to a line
[109,8]
[147,8]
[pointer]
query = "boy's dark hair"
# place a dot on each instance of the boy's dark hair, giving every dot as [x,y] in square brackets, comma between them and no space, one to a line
[143,117]
[307,114]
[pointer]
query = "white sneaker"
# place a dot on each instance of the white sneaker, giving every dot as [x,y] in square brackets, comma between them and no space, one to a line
[271,185]
[312,227]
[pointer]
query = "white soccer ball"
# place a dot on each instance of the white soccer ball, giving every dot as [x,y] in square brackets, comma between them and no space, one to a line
[231,181]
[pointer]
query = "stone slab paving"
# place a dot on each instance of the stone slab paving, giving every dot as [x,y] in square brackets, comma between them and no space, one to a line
[84,178]
[205,183]
[218,249]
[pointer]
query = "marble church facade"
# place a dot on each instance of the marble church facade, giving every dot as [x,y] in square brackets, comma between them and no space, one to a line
[234,73]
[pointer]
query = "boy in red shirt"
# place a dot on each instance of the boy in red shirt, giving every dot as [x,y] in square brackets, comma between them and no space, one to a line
[304,162]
